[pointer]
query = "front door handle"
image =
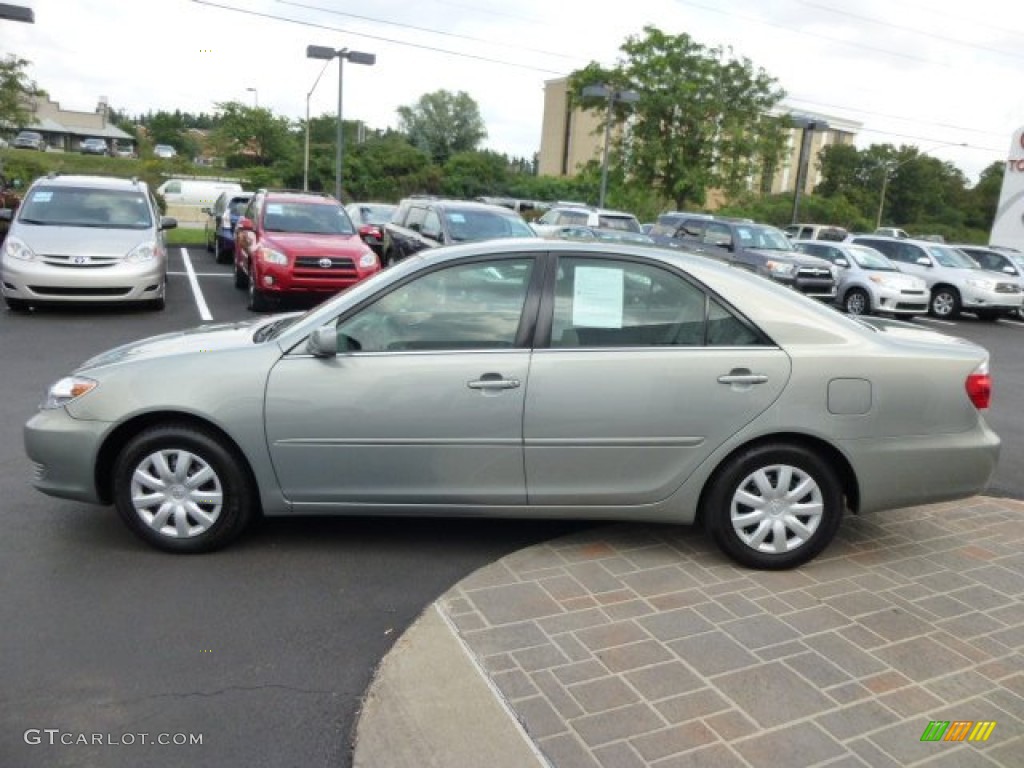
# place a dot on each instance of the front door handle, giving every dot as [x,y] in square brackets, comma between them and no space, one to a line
[493,381]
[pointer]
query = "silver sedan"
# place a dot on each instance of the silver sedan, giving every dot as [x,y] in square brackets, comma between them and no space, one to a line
[529,379]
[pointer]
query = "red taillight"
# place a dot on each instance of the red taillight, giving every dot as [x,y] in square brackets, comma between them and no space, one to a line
[979,387]
[370,230]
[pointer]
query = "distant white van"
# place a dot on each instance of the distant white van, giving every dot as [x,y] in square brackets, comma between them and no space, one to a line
[195,192]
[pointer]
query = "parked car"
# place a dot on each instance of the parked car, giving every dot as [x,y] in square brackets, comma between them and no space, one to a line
[29,140]
[165,151]
[297,244]
[586,216]
[424,222]
[600,234]
[370,219]
[816,232]
[868,282]
[529,378]
[85,239]
[201,193]
[125,151]
[955,281]
[892,232]
[1010,263]
[222,217]
[94,146]
[755,247]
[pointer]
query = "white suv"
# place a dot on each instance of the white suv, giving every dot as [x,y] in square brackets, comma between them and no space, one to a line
[561,216]
[955,281]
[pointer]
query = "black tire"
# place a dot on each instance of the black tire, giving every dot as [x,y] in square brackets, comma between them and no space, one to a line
[777,536]
[194,514]
[945,303]
[258,301]
[218,253]
[857,302]
[17,305]
[241,279]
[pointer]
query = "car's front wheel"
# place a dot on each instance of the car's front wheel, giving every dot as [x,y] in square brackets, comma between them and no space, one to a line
[857,302]
[241,279]
[258,301]
[774,506]
[945,303]
[181,489]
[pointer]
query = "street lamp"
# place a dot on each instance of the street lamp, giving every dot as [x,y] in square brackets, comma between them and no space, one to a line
[808,125]
[255,97]
[356,57]
[625,97]
[305,162]
[889,170]
[17,13]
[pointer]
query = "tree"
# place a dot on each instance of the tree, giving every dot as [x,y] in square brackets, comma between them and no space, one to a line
[16,92]
[253,136]
[443,123]
[703,120]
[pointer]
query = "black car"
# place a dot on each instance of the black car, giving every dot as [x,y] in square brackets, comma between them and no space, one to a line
[756,247]
[426,222]
[220,224]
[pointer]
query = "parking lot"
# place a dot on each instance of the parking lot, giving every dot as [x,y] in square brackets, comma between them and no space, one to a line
[264,649]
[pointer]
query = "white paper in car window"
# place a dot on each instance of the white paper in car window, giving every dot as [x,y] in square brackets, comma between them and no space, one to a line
[42,196]
[457,218]
[275,208]
[598,297]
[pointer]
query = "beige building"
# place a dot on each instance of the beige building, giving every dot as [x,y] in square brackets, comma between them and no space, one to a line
[64,129]
[571,137]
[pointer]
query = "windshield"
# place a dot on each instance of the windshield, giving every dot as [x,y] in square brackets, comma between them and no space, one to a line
[83,207]
[765,238]
[869,258]
[469,225]
[623,223]
[307,219]
[951,257]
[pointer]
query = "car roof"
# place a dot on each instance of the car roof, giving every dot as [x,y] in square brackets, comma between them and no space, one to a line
[96,182]
[299,197]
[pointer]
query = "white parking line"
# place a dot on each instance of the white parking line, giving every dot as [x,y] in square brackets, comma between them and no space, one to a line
[204,311]
[1008,321]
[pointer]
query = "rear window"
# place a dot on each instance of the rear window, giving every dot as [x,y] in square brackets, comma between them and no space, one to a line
[624,223]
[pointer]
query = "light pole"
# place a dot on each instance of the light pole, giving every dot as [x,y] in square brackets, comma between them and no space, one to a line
[625,97]
[356,57]
[255,97]
[17,13]
[889,170]
[808,125]
[305,162]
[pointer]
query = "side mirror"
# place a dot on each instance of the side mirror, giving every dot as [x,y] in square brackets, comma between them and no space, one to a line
[168,222]
[323,342]
[1007,269]
[841,262]
[924,261]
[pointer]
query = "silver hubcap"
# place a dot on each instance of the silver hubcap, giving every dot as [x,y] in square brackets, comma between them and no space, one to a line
[855,304]
[776,509]
[176,493]
[942,304]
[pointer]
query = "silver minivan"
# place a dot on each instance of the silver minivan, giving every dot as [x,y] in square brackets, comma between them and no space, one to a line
[85,239]
[955,281]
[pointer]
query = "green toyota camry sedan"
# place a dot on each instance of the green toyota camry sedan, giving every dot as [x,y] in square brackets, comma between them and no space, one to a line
[523,378]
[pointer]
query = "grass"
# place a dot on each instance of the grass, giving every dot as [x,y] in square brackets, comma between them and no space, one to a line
[187,236]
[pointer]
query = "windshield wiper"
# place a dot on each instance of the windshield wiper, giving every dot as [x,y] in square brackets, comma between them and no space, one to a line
[37,222]
[268,332]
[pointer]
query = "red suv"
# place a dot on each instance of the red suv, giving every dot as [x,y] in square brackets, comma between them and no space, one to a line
[292,243]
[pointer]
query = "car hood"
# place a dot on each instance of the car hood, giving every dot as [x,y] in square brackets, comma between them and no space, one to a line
[801,259]
[61,241]
[317,245]
[204,338]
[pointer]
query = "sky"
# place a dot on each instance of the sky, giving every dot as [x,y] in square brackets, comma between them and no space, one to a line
[933,74]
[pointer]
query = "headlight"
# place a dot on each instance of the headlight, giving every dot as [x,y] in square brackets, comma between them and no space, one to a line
[985,285]
[885,280]
[67,390]
[271,256]
[142,252]
[17,249]
[368,260]
[781,267]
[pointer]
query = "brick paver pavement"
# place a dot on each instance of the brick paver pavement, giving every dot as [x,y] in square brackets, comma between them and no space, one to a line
[642,646]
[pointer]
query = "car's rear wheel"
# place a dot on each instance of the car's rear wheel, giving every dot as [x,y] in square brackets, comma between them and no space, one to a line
[774,506]
[857,302]
[945,303]
[181,489]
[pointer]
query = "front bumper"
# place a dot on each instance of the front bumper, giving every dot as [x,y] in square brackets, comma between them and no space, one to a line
[63,451]
[898,301]
[979,298]
[120,281]
[281,279]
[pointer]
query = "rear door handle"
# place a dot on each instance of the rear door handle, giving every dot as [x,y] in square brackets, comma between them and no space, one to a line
[742,376]
[493,381]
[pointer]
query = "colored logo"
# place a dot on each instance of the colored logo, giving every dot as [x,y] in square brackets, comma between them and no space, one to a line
[958,730]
